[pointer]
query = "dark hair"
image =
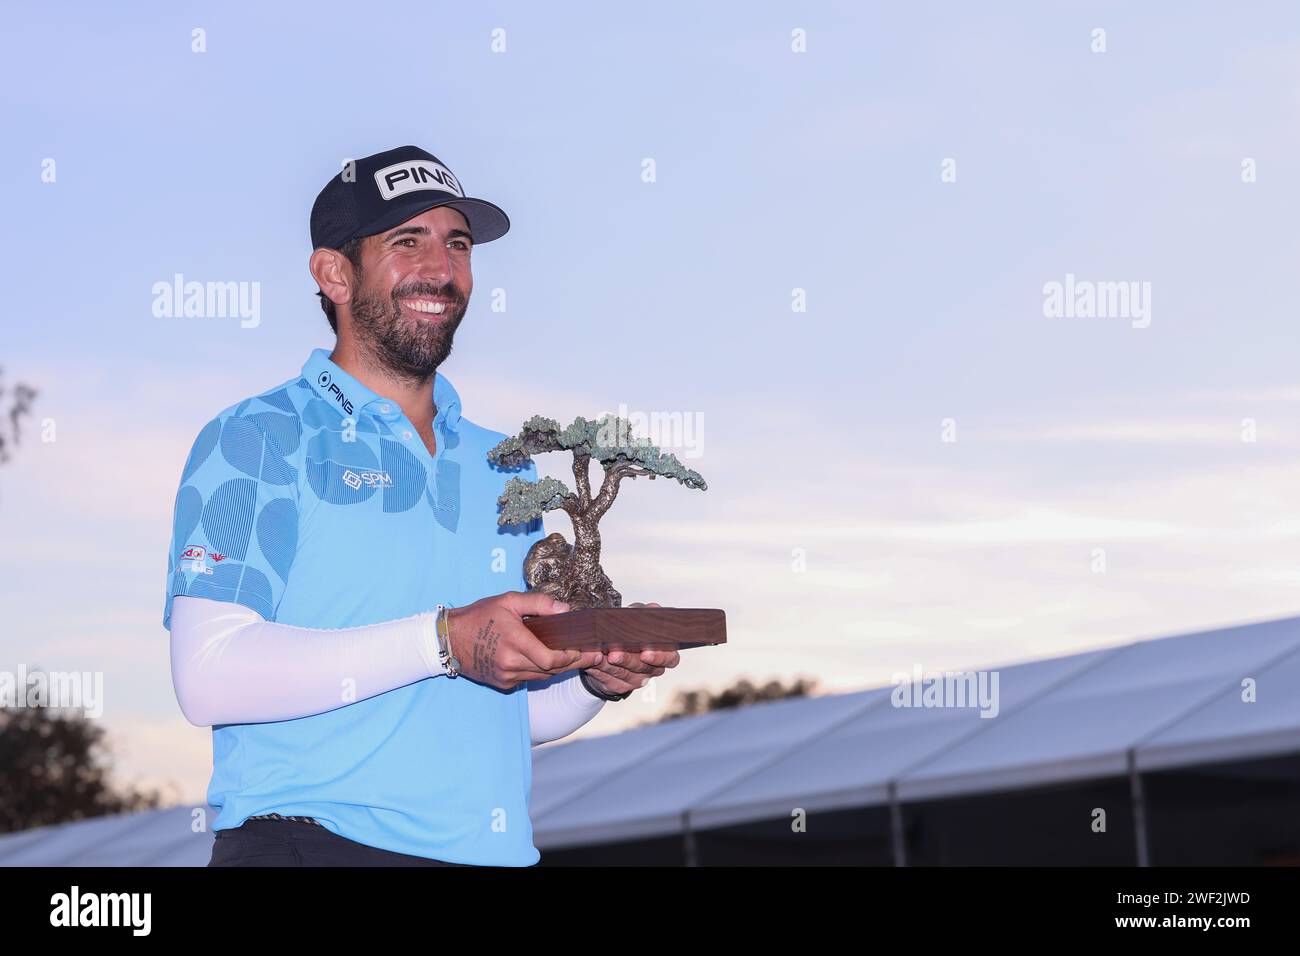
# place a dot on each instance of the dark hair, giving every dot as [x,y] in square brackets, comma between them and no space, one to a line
[351,249]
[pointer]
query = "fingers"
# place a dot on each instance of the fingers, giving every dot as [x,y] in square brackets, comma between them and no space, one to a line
[526,653]
[528,672]
[588,659]
[512,676]
[660,658]
[614,672]
[525,656]
[613,685]
[648,661]
[637,670]
[558,661]
[532,653]
[532,602]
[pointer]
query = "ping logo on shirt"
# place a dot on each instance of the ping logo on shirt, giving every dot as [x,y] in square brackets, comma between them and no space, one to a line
[326,381]
[372,479]
[402,178]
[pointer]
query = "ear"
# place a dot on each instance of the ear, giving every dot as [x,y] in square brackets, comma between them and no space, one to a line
[334,274]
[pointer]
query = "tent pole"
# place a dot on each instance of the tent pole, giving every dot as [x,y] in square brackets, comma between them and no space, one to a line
[896,826]
[690,847]
[1139,810]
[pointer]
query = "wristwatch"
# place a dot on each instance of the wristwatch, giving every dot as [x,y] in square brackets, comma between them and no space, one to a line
[597,692]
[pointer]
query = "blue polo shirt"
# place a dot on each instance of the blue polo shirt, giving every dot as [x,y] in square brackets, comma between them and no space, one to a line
[316,503]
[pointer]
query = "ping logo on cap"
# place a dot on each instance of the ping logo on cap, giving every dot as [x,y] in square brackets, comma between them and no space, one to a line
[402,178]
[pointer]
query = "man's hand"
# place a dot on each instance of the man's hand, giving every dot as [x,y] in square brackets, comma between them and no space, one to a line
[495,647]
[623,671]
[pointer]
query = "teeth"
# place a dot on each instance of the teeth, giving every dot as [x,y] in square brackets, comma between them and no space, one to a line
[434,308]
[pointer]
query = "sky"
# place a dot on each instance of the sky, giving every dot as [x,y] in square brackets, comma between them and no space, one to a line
[819,233]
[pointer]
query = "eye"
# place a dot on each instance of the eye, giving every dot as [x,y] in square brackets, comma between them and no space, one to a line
[462,243]
[409,239]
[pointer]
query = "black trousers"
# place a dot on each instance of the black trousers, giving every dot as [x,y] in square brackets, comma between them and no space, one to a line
[294,843]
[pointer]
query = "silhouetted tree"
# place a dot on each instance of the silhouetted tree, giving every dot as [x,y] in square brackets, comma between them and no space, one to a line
[54,770]
[688,703]
[19,404]
[52,766]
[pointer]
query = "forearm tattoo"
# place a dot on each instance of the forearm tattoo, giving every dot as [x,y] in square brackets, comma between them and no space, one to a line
[485,648]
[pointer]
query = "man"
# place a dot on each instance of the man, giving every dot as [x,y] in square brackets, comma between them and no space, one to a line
[318,527]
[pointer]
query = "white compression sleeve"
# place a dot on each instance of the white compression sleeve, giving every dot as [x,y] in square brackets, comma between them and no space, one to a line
[231,666]
[559,706]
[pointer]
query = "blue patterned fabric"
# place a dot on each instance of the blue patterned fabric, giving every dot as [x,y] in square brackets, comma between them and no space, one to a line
[316,504]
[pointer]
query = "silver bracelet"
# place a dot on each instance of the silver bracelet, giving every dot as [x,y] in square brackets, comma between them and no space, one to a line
[442,628]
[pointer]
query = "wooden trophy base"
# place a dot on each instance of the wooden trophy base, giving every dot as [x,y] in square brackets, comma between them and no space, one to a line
[630,628]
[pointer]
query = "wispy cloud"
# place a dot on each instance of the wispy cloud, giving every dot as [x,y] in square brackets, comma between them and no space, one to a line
[1222,431]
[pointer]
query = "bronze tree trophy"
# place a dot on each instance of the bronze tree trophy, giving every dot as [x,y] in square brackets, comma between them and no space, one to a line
[572,572]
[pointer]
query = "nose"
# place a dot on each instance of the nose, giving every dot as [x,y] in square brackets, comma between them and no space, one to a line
[436,264]
[434,267]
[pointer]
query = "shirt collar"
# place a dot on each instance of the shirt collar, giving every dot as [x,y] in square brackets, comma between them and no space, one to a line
[346,395]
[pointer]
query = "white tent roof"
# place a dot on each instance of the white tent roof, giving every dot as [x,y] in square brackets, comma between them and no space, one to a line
[146,838]
[1173,702]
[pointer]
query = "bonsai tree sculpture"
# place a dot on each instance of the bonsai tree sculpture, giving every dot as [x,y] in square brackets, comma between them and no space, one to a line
[572,572]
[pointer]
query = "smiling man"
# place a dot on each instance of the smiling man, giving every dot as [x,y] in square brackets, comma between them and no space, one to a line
[318,527]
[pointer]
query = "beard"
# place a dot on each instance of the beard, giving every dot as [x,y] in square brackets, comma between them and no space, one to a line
[408,345]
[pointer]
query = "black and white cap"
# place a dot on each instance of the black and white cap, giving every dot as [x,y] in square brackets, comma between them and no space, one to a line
[381,191]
